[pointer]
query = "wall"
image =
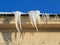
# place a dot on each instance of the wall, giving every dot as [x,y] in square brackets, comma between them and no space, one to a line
[47,35]
[30,37]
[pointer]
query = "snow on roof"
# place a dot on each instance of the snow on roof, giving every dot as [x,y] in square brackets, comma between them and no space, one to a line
[24,13]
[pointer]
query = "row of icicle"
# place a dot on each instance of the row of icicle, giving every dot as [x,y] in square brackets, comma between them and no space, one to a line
[34,18]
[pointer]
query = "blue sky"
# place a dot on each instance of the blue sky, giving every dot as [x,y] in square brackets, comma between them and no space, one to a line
[45,6]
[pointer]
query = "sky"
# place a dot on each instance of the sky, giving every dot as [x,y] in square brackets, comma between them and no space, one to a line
[44,6]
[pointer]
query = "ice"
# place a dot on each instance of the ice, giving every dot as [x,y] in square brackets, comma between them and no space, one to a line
[18,20]
[31,18]
[34,20]
[46,18]
[34,17]
[38,18]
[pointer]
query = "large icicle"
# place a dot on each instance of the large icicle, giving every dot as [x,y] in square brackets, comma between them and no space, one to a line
[18,20]
[33,18]
[37,14]
[37,18]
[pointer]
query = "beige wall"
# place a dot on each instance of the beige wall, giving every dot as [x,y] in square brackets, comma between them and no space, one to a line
[30,37]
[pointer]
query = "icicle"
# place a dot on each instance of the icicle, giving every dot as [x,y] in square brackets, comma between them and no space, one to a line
[47,17]
[18,20]
[44,19]
[37,14]
[37,18]
[33,19]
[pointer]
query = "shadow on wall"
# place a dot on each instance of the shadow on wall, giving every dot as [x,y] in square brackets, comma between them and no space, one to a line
[42,30]
[7,20]
[7,36]
[7,33]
